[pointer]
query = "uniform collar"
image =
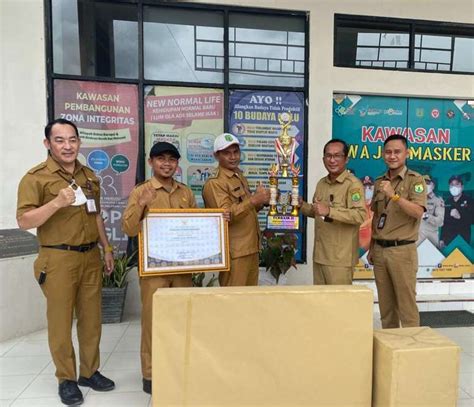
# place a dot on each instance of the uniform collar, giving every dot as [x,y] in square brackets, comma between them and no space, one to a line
[402,173]
[340,178]
[54,166]
[230,173]
[157,184]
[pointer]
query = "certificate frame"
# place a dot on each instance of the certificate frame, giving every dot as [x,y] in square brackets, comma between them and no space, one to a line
[164,232]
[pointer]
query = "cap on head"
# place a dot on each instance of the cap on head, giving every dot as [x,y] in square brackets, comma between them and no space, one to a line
[164,147]
[224,140]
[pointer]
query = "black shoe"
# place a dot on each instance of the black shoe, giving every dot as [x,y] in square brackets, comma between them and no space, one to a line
[70,393]
[147,386]
[97,382]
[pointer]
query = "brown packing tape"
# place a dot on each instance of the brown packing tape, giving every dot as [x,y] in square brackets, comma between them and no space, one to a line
[265,346]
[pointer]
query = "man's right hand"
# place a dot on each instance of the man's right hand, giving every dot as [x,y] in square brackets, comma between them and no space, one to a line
[261,196]
[147,195]
[65,197]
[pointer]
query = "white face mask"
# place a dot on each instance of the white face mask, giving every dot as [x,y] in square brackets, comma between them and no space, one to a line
[81,199]
[369,193]
[429,188]
[454,190]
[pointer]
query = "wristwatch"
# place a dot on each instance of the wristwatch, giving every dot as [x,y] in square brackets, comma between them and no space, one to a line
[395,197]
[108,249]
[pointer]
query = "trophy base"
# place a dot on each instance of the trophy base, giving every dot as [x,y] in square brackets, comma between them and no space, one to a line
[283,222]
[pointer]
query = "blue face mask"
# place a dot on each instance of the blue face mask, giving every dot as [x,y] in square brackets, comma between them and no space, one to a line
[455,190]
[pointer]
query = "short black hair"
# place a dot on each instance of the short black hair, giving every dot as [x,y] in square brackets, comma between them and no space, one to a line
[396,137]
[455,178]
[49,127]
[336,140]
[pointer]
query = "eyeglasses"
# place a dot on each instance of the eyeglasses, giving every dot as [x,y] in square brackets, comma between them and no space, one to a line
[336,157]
[162,159]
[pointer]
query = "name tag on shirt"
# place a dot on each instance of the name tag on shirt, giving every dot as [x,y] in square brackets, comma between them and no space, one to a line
[90,206]
[382,220]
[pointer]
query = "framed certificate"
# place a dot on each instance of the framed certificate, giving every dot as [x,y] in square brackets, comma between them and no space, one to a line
[177,241]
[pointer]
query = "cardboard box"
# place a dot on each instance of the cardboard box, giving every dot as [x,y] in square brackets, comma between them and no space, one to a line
[414,367]
[263,346]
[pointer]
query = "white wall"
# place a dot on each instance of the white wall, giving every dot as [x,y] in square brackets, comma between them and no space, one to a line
[23,96]
[22,303]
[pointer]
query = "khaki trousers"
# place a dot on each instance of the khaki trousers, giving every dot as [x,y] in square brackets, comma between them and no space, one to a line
[243,272]
[332,275]
[395,276]
[73,282]
[148,286]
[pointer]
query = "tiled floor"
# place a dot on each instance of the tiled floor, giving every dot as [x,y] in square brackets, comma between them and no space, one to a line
[27,373]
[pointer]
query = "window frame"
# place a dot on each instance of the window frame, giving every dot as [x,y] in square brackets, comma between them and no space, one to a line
[415,27]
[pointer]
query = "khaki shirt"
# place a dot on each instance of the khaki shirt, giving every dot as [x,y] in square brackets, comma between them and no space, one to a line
[230,190]
[180,196]
[337,242]
[398,225]
[71,225]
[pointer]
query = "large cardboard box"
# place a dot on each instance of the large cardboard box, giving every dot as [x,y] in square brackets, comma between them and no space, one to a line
[414,367]
[263,346]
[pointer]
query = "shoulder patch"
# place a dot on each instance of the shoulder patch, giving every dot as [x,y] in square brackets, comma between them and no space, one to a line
[419,188]
[356,194]
[380,176]
[37,168]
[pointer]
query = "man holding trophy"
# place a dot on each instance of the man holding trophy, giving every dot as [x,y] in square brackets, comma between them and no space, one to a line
[229,189]
[338,210]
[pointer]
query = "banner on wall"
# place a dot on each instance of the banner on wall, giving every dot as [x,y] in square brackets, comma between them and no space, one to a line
[253,118]
[106,115]
[190,119]
[440,135]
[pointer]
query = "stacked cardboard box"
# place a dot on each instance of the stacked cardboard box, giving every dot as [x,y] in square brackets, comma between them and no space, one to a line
[414,367]
[263,346]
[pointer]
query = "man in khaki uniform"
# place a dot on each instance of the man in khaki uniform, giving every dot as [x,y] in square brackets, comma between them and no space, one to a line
[398,206]
[229,189]
[61,198]
[338,210]
[433,218]
[159,192]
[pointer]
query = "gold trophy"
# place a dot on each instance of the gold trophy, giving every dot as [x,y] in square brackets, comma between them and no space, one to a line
[284,212]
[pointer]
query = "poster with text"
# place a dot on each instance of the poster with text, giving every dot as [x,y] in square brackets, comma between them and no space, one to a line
[253,118]
[106,115]
[440,136]
[190,119]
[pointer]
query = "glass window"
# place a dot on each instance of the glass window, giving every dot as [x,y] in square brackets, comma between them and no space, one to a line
[388,43]
[266,50]
[95,39]
[463,60]
[183,45]
[373,47]
[444,53]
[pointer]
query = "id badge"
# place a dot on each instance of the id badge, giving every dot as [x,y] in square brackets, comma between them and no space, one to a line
[382,220]
[90,206]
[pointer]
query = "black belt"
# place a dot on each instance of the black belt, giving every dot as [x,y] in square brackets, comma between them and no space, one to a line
[81,248]
[392,243]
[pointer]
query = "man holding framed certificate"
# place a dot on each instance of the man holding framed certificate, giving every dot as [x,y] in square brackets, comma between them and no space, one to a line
[228,189]
[159,192]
